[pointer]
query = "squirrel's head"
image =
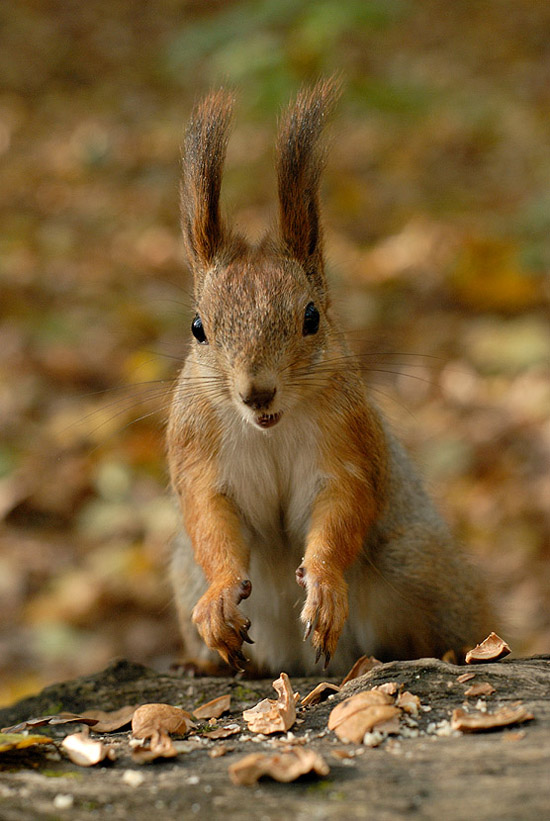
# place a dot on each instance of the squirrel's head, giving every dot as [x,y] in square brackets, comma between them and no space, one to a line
[261,323]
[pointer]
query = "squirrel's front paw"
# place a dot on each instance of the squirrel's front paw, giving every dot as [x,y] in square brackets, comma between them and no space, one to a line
[221,625]
[325,610]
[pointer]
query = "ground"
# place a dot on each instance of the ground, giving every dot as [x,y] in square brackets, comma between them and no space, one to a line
[432,775]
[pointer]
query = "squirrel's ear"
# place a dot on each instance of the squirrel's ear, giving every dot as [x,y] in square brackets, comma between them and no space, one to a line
[204,150]
[300,160]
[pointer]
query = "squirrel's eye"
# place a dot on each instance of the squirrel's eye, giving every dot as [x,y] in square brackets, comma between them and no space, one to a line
[311,320]
[198,331]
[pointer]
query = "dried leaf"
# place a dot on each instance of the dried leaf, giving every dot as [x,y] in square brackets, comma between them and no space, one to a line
[465,677]
[492,648]
[60,718]
[319,693]
[150,719]
[355,716]
[214,708]
[17,741]
[224,732]
[286,766]
[159,745]
[408,702]
[109,722]
[270,716]
[86,752]
[481,689]
[389,687]
[474,722]
[219,750]
[341,753]
[363,665]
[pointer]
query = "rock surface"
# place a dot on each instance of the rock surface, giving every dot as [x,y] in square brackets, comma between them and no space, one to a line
[426,771]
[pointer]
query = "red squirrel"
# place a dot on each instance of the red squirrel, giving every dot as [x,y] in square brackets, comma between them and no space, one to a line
[298,503]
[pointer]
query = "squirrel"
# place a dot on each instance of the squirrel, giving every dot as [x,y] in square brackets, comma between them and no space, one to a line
[286,472]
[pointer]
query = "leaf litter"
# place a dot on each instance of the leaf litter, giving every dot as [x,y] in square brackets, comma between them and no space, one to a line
[366,718]
[274,716]
[86,751]
[493,648]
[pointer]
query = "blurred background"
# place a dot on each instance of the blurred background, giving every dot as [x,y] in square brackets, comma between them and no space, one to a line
[437,214]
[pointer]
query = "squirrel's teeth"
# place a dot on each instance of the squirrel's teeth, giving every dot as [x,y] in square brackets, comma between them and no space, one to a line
[267,420]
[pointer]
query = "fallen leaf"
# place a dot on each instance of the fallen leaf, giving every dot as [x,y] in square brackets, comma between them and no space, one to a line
[60,718]
[286,766]
[390,726]
[492,648]
[408,702]
[17,741]
[86,752]
[363,665]
[154,718]
[224,732]
[342,753]
[465,677]
[355,716]
[389,687]
[481,689]
[221,749]
[270,716]
[158,745]
[474,722]
[319,693]
[109,722]
[214,708]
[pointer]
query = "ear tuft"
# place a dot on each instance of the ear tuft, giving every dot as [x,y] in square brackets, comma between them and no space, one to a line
[204,151]
[300,161]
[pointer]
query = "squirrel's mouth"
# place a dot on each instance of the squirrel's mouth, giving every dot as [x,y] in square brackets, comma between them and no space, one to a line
[267,420]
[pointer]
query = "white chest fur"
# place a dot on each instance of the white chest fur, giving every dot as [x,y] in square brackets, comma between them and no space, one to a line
[272,476]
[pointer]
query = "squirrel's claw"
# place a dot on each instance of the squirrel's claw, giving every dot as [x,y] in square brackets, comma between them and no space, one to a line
[324,612]
[236,659]
[220,623]
[243,632]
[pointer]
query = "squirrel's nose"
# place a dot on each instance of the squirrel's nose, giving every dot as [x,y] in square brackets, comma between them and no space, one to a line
[258,398]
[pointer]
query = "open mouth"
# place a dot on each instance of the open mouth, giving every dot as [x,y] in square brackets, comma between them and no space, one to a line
[267,420]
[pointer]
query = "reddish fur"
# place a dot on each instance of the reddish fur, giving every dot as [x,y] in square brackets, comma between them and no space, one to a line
[367,481]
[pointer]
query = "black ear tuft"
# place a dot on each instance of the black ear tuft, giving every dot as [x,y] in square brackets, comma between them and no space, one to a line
[204,150]
[300,160]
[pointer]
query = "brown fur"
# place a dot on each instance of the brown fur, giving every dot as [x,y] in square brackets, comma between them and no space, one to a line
[284,468]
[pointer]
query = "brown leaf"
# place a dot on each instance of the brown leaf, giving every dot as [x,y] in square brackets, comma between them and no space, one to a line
[16,741]
[481,689]
[408,702]
[286,766]
[319,693]
[363,665]
[214,708]
[389,687]
[474,722]
[223,732]
[109,722]
[60,718]
[219,750]
[355,716]
[150,719]
[270,716]
[159,745]
[465,677]
[492,648]
[86,752]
